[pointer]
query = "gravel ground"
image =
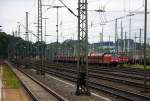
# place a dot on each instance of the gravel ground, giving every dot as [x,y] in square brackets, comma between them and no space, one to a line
[67,89]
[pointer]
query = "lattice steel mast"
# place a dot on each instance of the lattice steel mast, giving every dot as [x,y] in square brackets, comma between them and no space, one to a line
[82,63]
[39,20]
[40,36]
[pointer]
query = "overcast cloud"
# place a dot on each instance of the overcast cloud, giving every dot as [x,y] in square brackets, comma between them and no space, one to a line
[13,11]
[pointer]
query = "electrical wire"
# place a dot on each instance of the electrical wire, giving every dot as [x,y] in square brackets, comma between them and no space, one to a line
[68,8]
[30,31]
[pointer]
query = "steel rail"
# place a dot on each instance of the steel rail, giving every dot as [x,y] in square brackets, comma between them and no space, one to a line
[59,97]
[109,89]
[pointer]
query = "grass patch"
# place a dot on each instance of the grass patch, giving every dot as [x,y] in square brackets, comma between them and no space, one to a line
[136,66]
[140,66]
[11,80]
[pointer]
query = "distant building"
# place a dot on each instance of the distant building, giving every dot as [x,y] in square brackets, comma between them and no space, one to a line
[69,47]
[110,46]
[125,45]
[102,46]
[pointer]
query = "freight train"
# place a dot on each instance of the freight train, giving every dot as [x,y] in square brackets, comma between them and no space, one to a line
[139,59]
[101,59]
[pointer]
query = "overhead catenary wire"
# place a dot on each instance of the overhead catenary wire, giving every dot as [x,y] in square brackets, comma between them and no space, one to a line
[94,24]
[108,21]
[35,18]
[68,8]
[30,31]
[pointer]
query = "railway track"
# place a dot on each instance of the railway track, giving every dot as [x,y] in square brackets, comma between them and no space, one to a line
[103,87]
[129,70]
[102,83]
[105,71]
[108,76]
[47,89]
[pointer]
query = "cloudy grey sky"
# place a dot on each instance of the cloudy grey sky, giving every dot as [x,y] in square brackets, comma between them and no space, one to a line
[13,11]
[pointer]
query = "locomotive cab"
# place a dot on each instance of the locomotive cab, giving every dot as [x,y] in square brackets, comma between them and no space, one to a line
[111,58]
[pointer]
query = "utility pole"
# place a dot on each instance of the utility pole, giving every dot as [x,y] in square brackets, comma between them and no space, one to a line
[145,51]
[125,45]
[57,28]
[109,44]
[74,46]
[18,55]
[129,32]
[27,29]
[57,25]
[100,48]
[130,22]
[45,28]
[121,37]
[16,33]
[116,36]
[82,62]
[135,54]
[27,34]
[101,38]
[45,37]
[140,39]
[19,29]
[140,48]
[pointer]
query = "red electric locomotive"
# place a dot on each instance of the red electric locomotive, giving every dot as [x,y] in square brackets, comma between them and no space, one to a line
[101,59]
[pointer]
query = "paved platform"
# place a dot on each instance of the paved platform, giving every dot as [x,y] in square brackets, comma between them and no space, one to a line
[8,93]
[35,89]
[15,95]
